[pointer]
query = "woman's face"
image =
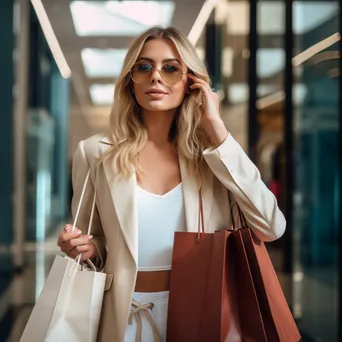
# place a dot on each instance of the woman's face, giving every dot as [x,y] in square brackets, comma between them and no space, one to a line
[154,93]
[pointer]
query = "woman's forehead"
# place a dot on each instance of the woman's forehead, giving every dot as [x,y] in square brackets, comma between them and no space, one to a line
[159,50]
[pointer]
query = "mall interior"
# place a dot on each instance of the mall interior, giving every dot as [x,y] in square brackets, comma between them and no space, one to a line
[276,67]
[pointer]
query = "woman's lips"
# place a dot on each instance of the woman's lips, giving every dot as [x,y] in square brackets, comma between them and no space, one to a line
[155,95]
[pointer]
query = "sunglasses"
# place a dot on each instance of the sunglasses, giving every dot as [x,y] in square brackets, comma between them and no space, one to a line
[171,73]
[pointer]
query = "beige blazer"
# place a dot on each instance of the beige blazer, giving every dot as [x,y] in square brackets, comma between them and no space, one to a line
[115,220]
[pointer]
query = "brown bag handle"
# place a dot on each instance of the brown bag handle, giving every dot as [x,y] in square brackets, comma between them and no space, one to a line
[242,217]
[200,227]
[200,217]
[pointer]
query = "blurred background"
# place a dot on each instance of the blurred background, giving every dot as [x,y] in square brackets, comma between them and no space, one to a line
[276,66]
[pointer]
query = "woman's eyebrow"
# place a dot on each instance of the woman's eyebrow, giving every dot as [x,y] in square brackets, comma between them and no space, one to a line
[164,60]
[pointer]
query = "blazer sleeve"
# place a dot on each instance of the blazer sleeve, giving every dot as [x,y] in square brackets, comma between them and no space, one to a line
[80,168]
[240,176]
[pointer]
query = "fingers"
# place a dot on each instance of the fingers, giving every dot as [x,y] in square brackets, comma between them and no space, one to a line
[199,83]
[65,237]
[76,242]
[68,228]
[200,86]
[77,250]
[87,251]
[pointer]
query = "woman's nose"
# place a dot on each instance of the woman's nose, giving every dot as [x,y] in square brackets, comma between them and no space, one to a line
[155,76]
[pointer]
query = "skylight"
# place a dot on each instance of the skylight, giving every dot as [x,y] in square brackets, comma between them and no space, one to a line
[102,94]
[119,18]
[103,62]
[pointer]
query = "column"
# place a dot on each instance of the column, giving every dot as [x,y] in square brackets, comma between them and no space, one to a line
[6,146]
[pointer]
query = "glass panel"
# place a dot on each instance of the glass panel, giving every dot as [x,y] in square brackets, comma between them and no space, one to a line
[310,14]
[270,61]
[234,72]
[40,143]
[316,129]
[271,18]
[270,94]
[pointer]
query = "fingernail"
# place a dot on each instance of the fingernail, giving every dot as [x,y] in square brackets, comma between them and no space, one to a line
[78,231]
[67,228]
[90,237]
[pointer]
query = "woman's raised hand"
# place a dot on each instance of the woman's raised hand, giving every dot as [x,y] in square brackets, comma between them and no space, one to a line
[212,121]
[72,243]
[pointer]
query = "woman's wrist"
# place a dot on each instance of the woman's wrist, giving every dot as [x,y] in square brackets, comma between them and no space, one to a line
[217,131]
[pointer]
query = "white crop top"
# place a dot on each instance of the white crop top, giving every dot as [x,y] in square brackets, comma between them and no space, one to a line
[159,216]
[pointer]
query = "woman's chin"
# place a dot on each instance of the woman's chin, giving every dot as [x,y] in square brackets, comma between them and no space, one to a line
[160,107]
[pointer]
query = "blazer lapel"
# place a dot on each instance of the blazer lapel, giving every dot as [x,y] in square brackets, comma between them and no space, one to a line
[191,196]
[123,193]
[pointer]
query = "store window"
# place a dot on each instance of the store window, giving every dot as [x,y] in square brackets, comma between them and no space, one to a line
[306,259]
[316,172]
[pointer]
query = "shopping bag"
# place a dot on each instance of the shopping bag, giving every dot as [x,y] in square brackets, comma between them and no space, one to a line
[262,307]
[201,301]
[223,288]
[69,306]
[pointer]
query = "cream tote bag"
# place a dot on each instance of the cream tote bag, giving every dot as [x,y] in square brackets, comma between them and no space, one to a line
[69,306]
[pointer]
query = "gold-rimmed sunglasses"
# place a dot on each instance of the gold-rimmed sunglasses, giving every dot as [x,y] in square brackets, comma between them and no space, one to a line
[171,73]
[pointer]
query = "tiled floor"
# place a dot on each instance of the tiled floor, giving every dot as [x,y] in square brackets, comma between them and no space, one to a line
[315,299]
[17,299]
[318,299]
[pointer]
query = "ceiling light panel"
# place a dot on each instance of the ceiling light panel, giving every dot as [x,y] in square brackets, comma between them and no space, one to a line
[119,18]
[103,62]
[102,94]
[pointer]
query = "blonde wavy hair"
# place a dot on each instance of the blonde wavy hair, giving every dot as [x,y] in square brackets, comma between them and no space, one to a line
[126,128]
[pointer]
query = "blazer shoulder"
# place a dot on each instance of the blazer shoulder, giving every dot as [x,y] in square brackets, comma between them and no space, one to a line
[93,146]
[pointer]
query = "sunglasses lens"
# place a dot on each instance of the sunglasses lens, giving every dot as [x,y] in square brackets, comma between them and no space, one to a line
[170,73]
[141,72]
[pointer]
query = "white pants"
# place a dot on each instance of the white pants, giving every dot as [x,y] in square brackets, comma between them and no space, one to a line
[158,312]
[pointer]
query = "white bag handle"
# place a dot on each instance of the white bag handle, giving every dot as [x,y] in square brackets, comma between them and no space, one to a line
[78,259]
[80,204]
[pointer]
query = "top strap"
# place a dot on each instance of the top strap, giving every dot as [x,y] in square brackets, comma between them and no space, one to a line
[242,218]
[80,204]
[78,259]
[200,217]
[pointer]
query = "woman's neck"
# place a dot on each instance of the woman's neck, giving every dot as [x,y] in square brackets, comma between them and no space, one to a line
[158,125]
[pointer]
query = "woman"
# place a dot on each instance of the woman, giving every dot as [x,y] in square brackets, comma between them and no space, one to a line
[166,140]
